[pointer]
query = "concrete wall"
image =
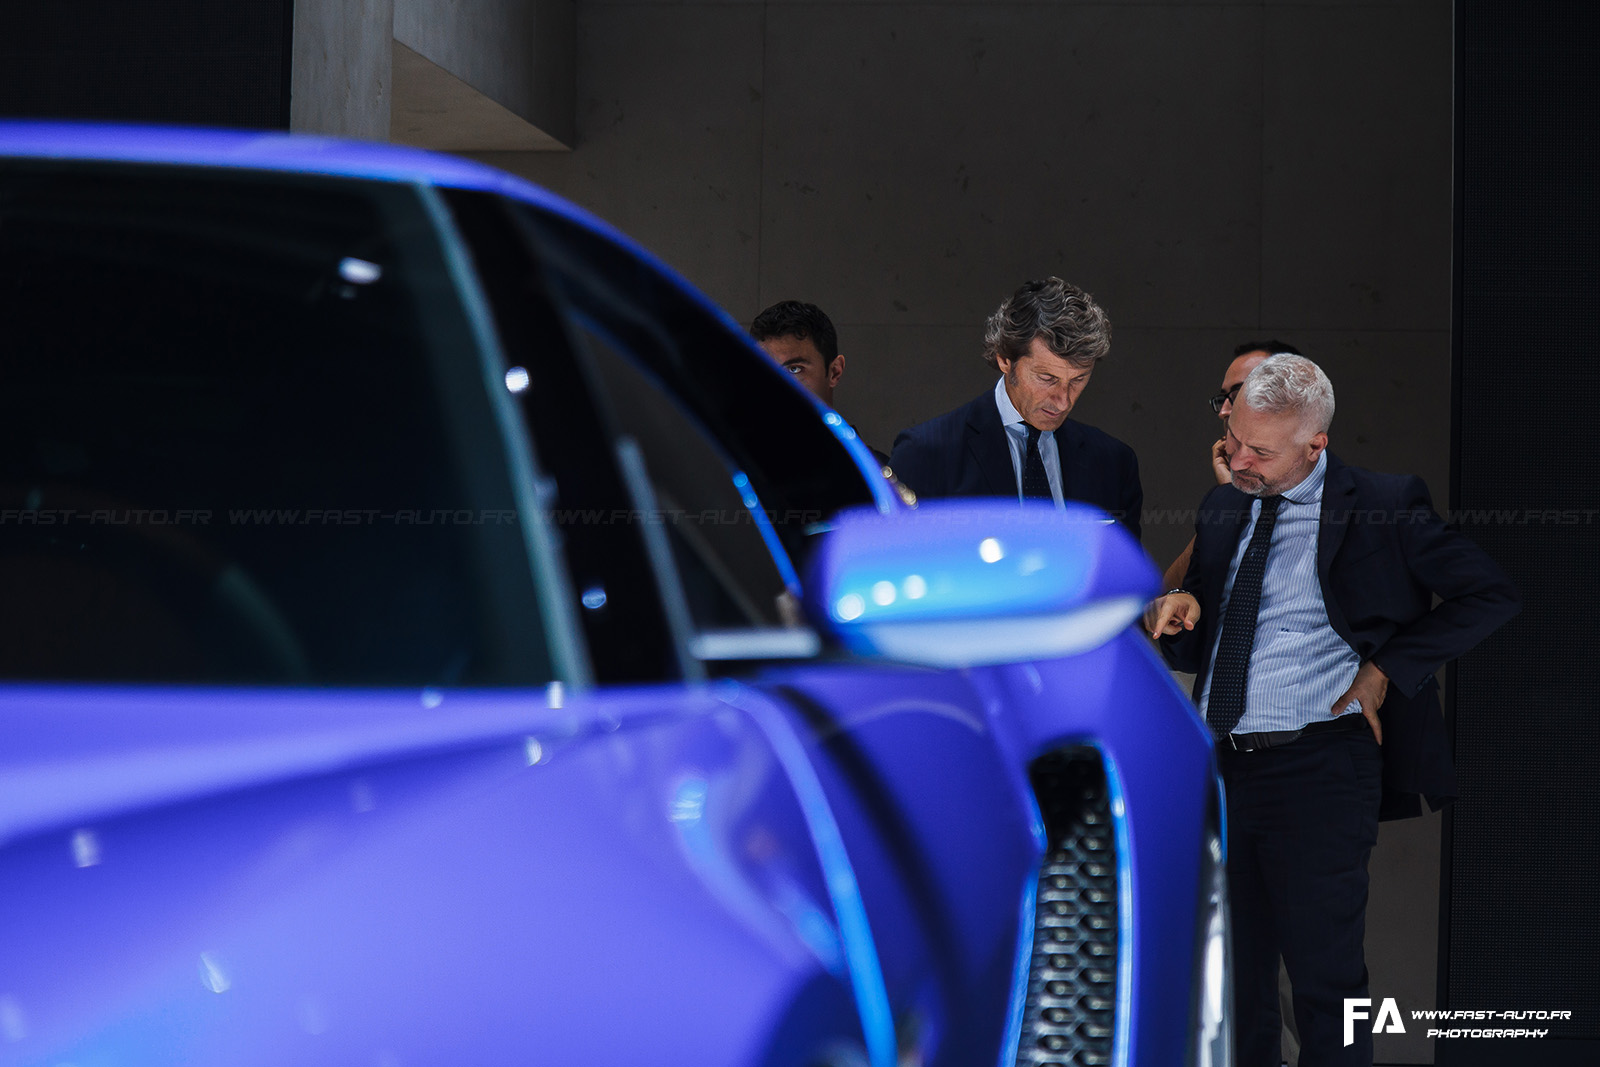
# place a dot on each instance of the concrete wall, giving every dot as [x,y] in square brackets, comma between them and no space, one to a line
[340,77]
[446,74]
[518,53]
[1212,172]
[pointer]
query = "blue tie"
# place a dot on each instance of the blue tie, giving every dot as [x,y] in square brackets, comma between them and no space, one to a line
[1229,674]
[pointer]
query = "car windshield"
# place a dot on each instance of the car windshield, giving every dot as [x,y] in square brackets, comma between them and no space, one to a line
[245,436]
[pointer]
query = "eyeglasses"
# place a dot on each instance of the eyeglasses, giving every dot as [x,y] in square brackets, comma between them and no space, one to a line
[1227,396]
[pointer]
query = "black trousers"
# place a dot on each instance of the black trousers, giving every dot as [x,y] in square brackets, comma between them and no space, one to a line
[1302,820]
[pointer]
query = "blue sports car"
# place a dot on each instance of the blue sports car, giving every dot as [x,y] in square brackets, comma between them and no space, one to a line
[431,634]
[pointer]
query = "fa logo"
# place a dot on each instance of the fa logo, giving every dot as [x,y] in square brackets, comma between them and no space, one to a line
[1389,1012]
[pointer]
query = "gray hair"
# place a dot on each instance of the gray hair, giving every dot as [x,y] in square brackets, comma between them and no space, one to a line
[1287,382]
[1060,314]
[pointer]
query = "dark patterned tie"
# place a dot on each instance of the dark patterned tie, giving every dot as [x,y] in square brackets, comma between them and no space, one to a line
[1035,483]
[1229,674]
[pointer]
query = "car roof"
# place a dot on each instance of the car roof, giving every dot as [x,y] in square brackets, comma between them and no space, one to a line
[293,153]
[263,150]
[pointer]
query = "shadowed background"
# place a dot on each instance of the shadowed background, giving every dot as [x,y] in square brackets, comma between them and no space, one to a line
[1211,172]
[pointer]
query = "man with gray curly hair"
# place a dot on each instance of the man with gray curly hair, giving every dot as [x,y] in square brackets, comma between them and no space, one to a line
[1307,616]
[1016,439]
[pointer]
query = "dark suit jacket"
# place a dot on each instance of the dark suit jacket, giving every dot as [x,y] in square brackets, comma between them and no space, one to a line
[964,453]
[1382,554]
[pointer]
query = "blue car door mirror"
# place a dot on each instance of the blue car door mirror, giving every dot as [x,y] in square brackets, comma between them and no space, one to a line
[957,583]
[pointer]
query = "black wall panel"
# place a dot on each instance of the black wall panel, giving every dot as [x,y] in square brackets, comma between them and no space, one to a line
[207,62]
[1521,912]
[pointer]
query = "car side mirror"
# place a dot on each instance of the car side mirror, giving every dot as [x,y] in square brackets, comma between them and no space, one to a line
[960,583]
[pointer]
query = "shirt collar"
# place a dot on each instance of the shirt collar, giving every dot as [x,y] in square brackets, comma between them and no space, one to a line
[1309,491]
[1009,415]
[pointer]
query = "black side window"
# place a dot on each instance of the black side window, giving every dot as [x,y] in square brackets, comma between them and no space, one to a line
[245,436]
[764,428]
[617,595]
[739,469]
[731,575]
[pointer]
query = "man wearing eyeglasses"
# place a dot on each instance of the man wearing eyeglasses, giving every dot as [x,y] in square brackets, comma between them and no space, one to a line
[1320,605]
[1246,358]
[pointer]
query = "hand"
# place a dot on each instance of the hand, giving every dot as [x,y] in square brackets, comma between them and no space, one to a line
[1370,687]
[1170,613]
[1219,463]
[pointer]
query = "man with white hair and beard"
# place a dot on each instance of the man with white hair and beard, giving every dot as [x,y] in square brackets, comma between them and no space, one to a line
[1307,614]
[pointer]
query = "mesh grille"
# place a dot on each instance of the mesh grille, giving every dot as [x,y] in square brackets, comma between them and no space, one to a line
[1070,1019]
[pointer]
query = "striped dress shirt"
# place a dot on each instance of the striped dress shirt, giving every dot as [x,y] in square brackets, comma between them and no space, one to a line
[1299,665]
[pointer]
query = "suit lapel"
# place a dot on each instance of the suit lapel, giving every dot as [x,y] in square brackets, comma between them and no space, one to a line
[1222,521]
[988,448]
[1338,499]
[1222,518]
[1069,457]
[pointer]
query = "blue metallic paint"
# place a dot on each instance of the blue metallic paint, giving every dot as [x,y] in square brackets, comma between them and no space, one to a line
[1163,761]
[961,583]
[844,891]
[1027,919]
[971,554]
[906,756]
[1127,929]
[309,902]
[834,851]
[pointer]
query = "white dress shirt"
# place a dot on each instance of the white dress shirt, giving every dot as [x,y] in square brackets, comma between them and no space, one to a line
[1017,438]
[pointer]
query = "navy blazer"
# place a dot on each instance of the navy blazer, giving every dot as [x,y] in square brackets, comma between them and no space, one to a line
[1382,555]
[965,453]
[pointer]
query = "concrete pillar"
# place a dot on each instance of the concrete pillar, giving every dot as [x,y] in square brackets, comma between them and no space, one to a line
[484,74]
[341,80]
[458,75]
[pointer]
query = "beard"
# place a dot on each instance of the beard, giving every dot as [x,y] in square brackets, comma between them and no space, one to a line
[1255,486]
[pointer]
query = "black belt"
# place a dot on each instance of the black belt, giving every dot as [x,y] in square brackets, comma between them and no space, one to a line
[1274,738]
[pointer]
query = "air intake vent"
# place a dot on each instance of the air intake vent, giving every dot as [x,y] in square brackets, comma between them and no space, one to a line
[1070,1019]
